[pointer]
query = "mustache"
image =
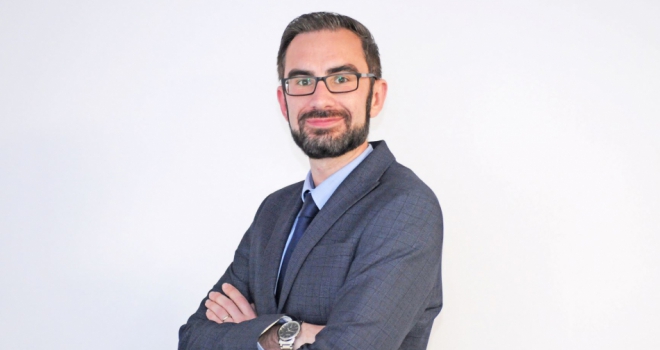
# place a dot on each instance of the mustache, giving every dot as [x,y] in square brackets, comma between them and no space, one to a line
[325,113]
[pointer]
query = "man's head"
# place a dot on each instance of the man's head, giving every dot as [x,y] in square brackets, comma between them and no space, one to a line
[328,121]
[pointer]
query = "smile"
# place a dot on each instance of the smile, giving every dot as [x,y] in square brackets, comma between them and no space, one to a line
[324,122]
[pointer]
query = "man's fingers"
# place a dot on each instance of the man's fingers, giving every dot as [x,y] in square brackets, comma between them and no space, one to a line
[240,301]
[234,304]
[214,312]
[228,305]
[218,311]
[212,317]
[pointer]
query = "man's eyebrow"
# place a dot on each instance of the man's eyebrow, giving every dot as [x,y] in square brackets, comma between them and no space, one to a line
[299,72]
[344,68]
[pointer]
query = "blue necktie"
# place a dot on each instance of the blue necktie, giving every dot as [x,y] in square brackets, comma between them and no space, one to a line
[307,214]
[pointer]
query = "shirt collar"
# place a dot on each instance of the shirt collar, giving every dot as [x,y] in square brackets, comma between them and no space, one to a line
[324,191]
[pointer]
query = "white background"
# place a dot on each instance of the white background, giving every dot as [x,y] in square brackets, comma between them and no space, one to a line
[137,139]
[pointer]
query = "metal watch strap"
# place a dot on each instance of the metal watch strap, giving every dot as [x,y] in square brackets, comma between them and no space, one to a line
[287,345]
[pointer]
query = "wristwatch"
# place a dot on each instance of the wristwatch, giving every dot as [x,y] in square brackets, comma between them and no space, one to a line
[287,334]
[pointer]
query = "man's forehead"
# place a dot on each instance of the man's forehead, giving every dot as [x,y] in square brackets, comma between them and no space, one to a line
[320,51]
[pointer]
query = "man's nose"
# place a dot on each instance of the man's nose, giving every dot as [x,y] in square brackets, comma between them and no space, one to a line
[322,97]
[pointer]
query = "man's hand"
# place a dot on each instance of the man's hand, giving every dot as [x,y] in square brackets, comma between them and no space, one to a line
[307,334]
[234,309]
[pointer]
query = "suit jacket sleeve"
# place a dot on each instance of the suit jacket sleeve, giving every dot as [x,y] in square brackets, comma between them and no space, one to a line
[201,333]
[394,281]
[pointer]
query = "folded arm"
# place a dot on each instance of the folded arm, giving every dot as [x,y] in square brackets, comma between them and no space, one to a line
[234,308]
[200,332]
[206,328]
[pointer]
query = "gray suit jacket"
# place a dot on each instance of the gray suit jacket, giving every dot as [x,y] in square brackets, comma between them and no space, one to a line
[367,267]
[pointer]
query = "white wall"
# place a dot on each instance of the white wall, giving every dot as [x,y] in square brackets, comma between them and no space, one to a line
[138,138]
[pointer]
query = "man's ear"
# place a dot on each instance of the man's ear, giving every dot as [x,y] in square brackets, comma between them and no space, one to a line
[378,97]
[282,100]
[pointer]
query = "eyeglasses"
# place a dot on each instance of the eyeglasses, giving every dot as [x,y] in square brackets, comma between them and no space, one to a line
[336,83]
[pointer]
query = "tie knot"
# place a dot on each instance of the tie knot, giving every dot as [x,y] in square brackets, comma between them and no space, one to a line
[309,208]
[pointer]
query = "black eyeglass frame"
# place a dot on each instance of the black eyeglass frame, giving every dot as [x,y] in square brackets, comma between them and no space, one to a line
[285,81]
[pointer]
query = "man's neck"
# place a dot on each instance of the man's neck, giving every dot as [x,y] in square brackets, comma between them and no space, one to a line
[323,168]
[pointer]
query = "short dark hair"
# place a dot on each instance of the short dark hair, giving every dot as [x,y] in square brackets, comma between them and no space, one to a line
[316,21]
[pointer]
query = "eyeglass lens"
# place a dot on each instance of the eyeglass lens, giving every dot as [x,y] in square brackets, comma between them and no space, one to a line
[335,83]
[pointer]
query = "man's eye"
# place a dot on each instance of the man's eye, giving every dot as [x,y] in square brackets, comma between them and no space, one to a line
[341,79]
[304,81]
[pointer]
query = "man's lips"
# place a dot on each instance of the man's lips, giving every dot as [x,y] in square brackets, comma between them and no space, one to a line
[323,122]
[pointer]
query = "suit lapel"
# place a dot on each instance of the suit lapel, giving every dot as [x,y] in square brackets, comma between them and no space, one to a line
[358,184]
[272,255]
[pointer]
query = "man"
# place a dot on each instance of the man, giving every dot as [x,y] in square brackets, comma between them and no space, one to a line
[350,257]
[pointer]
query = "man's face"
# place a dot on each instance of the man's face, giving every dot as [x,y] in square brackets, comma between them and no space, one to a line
[327,124]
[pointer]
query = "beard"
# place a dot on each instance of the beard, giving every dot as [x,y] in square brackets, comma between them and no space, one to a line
[318,144]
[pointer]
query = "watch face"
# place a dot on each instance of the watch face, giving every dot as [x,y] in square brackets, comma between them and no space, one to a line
[289,330]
